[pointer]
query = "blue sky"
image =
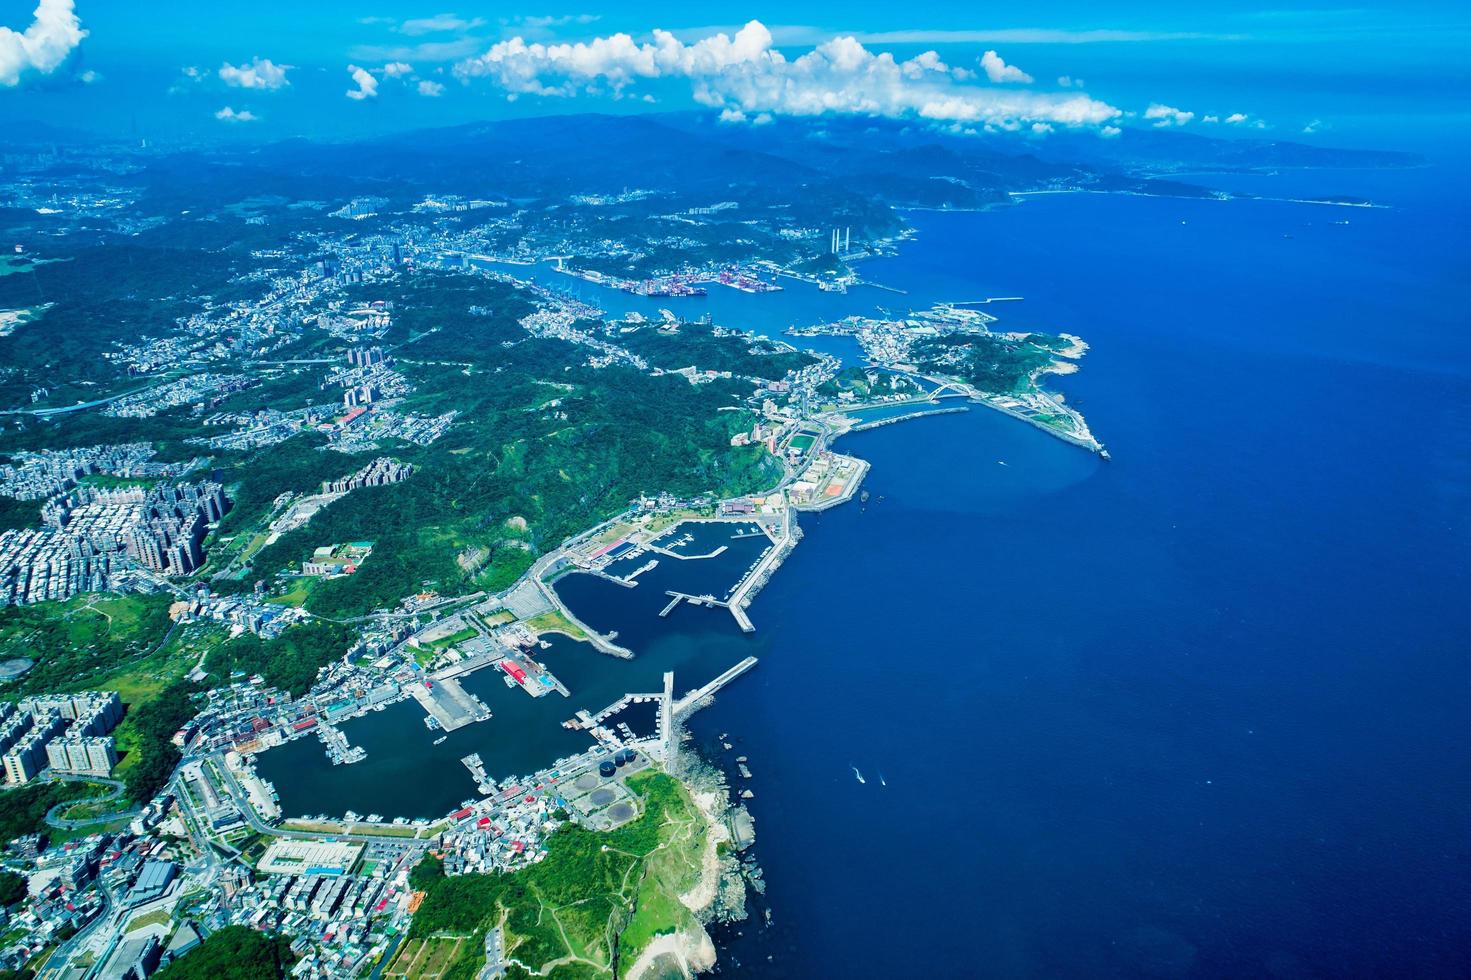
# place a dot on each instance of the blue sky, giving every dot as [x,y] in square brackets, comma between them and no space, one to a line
[1325,71]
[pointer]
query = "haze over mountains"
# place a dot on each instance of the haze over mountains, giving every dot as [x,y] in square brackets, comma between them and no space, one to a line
[901,164]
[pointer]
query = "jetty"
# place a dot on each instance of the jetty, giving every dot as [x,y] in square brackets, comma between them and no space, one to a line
[338,750]
[760,572]
[599,573]
[693,698]
[674,554]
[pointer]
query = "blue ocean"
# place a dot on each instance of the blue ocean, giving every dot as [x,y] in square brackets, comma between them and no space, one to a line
[1198,711]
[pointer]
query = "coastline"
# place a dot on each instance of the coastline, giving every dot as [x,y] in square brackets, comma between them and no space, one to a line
[689,950]
[692,951]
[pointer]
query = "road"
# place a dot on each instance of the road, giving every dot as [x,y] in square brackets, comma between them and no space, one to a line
[242,800]
[117,790]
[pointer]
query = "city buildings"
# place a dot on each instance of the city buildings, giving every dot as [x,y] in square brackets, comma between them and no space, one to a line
[379,472]
[32,739]
[90,536]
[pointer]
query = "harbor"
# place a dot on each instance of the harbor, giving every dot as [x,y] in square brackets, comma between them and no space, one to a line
[338,750]
[447,704]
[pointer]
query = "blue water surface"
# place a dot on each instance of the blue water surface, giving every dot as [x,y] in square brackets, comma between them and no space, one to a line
[1199,711]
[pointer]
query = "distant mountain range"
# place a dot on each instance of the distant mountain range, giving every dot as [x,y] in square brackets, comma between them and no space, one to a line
[896,163]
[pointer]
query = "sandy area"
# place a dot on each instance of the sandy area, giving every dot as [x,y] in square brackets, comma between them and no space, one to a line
[692,954]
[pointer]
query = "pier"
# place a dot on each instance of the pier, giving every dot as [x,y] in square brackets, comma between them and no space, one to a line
[467,666]
[648,566]
[449,704]
[741,618]
[483,782]
[597,718]
[666,718]
[988,299]
[599,573]
[752,583]
[674,554]
[600,643]
[692,699]
[338,749]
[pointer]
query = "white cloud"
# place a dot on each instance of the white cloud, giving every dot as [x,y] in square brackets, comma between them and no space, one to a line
[1236,119]
[90,77]
[460,47]
[258,73]
[999,71]
[1039,35]
[228,114]
[431,89]
[545,23]
[1068,81]
[744,73]
[1317,125]
[53,34]
[439,24]
[192,77]
[397,69]
[1165,115]
[367,85]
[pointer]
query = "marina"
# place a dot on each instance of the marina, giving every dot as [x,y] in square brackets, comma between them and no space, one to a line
[338,749]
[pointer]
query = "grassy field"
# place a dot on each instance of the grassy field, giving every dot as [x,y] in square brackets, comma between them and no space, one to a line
[425,959]
[596,899]
[158,917]
[78,642]
[668,871]
[141,681]
[468,633]
[297,595]
[555,621]
[664,522]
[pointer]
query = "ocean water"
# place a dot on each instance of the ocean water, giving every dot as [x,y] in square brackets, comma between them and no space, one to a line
[1200,711]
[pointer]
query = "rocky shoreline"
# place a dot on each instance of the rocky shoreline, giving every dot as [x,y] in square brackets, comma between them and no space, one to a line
[718,895]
